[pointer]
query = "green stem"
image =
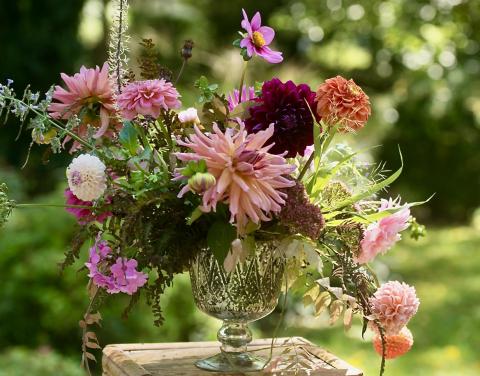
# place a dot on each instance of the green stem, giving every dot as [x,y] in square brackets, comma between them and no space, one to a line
[242,80]
[52,206]
[55,124]
[184,63]
[325,143]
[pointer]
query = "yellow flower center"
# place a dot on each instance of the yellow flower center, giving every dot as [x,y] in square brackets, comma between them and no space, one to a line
[258,39]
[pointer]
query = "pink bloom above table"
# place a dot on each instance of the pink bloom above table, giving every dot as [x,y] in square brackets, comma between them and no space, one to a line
[247,176]
[380,236]
[394,304]
[148,98]
[89,95]
[342,103]
[258,39]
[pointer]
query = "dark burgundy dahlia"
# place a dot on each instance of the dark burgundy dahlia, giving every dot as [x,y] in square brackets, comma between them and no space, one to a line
[284,105]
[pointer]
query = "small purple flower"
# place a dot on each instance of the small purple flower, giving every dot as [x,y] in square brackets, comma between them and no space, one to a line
[258,38]
[248,93]
[127,279]
[123,276]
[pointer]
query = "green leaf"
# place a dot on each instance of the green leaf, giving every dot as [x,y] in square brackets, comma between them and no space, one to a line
[219,239]
[373,189]
[236,43]
[197,213]
[128,137]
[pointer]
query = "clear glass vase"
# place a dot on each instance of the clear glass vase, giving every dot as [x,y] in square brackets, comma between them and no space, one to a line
[248,293]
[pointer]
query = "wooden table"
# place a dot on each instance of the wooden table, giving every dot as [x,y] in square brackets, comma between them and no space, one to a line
[177,359]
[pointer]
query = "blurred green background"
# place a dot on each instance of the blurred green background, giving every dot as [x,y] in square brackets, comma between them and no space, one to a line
[419,61]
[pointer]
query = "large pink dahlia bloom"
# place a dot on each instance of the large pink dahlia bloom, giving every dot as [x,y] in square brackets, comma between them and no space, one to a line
[148,98]
[248,177]
[394,304]
[88,95]
[380,236]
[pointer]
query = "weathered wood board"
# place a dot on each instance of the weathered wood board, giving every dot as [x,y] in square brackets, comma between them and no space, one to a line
[177,359]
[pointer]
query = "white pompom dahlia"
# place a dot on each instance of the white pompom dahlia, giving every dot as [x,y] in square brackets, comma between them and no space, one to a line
[86,177]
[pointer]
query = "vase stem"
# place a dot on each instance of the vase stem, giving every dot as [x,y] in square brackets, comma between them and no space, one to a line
[234,337]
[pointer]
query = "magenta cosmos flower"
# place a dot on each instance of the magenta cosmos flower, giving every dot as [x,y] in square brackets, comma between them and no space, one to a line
[88,95]
[247,176]
[148,98]
[258,38]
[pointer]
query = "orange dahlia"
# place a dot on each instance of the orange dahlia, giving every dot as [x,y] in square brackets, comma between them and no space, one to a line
[342,103]
[395,345]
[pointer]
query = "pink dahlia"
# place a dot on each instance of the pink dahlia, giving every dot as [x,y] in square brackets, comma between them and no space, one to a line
[247,176]
[89,95]
[395,345]
[234,99]
[258,38]
[380,236]
[394,304]
[84,215]
[148,98]
[342,103]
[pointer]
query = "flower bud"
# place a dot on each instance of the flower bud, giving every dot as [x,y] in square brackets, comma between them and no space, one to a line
[201,181]
[189,116]
[43,138]
[186,51]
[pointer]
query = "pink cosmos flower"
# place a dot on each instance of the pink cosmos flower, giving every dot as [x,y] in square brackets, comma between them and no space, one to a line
[83,215]
[247,176]
[380,236]
[258,39]
[123,276]
[395,345]
[342,102]
[89,95]
[394,304]
[248,93]
[148,98]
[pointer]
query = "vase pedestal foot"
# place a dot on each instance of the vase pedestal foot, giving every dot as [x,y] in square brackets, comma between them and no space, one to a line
[232,362]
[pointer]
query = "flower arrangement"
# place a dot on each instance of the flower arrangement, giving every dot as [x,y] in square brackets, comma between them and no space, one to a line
[151,184]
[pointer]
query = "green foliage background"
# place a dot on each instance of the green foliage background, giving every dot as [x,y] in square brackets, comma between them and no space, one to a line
[418,60]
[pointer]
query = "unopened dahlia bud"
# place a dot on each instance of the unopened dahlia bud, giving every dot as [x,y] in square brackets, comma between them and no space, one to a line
[189,116]
[201,181]
[41,138]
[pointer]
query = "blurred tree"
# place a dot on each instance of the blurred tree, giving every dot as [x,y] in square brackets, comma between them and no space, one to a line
[39,40]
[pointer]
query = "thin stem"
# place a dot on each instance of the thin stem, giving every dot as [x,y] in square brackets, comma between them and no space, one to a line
[305,168]
[54,123]
[184,64]
[242,80]
[119,45]
[84,331]
[52,206]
